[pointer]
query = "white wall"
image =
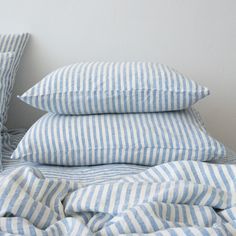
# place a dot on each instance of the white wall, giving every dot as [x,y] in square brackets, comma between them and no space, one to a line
[198,38]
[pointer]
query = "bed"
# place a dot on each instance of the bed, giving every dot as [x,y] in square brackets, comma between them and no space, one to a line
[120,151]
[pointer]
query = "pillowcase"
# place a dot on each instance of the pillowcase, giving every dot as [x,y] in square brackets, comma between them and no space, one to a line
[100,87]
[6,64]
[145,139]
[12,43]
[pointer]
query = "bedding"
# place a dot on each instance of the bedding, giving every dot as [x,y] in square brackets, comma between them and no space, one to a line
[106,87]
[12,43]
[178,198]
[145,139]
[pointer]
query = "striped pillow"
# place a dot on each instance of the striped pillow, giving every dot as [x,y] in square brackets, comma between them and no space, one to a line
[6,64]
[99,87]
[146,139]
[12,43]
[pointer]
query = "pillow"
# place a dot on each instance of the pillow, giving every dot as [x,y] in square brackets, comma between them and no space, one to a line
[6,64]
[99,87]
[12,43]
[145,139]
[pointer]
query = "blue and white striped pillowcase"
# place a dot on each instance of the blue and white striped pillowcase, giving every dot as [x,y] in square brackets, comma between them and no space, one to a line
[108,87]
[146,139]
[6,64]
[14,43]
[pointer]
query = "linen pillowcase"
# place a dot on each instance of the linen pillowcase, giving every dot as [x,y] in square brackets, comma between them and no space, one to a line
[6,64]
[145,139]
[100,87]
[12,43]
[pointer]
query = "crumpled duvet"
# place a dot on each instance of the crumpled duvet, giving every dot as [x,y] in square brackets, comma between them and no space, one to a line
[177,198]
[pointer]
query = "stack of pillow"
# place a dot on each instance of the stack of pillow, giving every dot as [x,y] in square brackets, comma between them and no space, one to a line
[11,50]
[101,113]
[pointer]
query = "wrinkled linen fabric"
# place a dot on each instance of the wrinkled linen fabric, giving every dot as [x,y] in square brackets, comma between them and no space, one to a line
[178,198]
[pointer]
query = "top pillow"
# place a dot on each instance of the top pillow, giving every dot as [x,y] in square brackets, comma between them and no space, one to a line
[107,87]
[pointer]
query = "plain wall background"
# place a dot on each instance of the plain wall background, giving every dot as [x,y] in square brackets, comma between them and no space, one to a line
[197,38]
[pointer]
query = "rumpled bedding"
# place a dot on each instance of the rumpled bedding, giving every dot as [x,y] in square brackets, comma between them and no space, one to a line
[177,198]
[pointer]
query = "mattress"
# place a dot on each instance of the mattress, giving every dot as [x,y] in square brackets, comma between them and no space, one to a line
[85,175]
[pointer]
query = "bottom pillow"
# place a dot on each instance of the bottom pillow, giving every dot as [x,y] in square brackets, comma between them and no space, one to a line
[145,139]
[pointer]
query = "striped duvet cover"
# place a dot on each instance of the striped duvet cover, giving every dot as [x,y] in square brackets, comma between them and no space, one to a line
[177,198]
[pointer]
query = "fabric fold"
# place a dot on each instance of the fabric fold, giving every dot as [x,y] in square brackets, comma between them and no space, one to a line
[159,201]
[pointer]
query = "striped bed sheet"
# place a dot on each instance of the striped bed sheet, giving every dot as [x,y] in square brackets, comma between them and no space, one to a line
[177,198]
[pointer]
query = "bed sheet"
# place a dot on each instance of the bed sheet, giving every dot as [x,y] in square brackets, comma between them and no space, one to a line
[177,198]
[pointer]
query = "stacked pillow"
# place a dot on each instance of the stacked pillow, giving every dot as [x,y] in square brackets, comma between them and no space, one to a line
[101,113]
[11,50]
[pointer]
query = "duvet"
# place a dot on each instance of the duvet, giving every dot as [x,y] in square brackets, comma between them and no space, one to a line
[177,198]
